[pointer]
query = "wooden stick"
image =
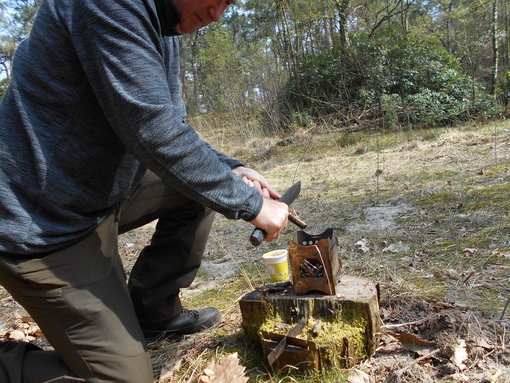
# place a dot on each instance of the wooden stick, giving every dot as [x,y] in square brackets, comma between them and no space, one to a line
[297,221]
[418,360]
[504,310]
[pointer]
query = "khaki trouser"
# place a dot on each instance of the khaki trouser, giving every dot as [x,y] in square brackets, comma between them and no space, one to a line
[79,296]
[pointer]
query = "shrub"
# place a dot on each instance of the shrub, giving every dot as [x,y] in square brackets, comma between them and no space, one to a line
[411,78]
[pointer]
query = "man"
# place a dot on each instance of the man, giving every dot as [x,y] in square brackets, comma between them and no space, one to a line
[93,143]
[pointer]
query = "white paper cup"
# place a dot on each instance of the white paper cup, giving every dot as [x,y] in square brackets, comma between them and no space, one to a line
[277,266]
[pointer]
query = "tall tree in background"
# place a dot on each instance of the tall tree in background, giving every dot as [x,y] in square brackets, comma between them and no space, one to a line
[278,59]
[495,47]
[16,19]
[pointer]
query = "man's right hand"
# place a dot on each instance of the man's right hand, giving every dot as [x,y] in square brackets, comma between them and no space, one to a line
[272,218]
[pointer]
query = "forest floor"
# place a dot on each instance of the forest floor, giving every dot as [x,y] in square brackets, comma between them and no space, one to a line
[425,213]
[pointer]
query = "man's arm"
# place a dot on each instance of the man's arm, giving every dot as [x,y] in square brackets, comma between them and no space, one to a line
[122,54]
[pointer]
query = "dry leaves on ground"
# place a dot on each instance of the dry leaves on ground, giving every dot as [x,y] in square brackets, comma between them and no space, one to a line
[169,369]
[358,376]
[24,331]
[225,370]
[413,343]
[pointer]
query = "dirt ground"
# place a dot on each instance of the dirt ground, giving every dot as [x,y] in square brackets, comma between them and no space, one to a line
[425,215]
[462,343]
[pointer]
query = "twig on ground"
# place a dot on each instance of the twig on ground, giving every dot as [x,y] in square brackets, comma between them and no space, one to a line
[196,364]
[404,324]
[504,309]
[289,378]
[476,362]
[419,360]
[503,343]
[467,278]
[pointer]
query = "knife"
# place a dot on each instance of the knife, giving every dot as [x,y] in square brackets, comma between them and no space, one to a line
[288,197]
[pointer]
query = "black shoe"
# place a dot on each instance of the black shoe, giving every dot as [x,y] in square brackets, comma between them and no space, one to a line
[186,322]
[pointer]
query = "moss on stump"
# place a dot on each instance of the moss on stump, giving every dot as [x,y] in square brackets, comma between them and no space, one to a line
[344,328]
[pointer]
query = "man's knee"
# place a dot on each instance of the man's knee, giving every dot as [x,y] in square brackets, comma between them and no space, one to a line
[122,369]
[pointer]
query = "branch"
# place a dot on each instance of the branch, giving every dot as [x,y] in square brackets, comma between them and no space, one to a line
[389,15]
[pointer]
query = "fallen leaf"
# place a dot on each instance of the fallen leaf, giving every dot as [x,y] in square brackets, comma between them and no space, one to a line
[459,378]
[362,245]
[35,331]
[168,370]
[17,335]
[357,376]
[27,319]
[413,343]
[225,370]
[459,354]
[398,247]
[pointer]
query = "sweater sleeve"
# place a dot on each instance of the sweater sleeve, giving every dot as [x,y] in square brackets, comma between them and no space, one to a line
[230,162]
[123,56]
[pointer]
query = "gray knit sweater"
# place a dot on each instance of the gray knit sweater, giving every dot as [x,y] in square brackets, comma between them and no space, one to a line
[94,101]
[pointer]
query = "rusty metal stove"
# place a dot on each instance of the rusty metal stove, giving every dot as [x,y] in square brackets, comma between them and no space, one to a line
[293,323]
[314,262]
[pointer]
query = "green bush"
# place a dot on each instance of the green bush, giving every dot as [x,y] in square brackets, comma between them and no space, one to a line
[408,78]
[322,78]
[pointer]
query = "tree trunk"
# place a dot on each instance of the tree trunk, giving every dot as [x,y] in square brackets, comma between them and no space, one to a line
[404,20]
[495,50]
[506,52]
[194,71]
[328,34]
[341,6]
[340,329]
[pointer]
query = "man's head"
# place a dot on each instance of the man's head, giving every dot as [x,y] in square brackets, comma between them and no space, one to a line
[195,14]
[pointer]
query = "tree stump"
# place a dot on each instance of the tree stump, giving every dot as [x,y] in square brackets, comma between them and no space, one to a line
[340,329]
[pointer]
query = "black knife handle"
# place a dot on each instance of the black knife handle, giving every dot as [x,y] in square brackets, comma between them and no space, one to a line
[257,237]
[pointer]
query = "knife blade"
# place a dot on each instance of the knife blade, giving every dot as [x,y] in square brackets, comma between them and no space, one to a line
[288,197]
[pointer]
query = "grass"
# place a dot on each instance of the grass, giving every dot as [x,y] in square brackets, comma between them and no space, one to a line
[443,193]
[225,293]
[454,185]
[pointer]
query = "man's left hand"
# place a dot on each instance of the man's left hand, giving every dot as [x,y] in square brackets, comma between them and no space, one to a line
[255,179]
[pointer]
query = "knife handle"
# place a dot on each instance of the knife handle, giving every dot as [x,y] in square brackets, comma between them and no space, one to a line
[257,236]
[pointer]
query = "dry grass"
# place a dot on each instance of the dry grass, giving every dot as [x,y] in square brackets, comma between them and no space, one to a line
[439,198]
[438,193]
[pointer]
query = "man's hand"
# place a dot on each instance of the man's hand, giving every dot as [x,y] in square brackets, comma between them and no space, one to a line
[272,218]
[255,179]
